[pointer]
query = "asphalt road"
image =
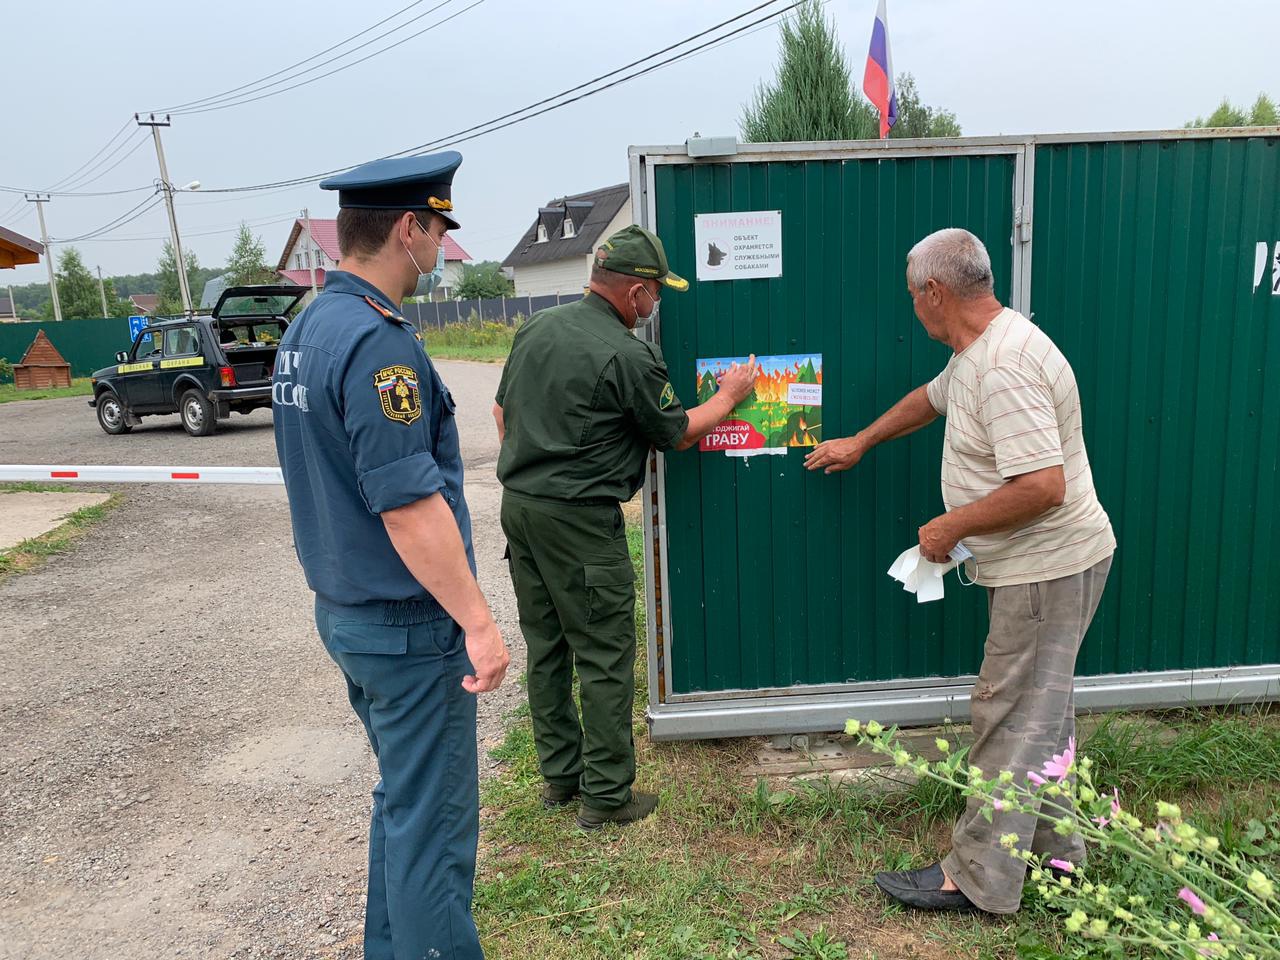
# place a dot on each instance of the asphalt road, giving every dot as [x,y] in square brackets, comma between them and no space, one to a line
[180,773]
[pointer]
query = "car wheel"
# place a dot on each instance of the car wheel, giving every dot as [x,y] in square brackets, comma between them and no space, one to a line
[199,418]
[111,415]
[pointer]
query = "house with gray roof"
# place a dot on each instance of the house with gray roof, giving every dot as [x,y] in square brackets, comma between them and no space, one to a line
[555,253]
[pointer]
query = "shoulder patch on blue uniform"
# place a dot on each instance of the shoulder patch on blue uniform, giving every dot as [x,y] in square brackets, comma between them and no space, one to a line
[397,388]
[389,314]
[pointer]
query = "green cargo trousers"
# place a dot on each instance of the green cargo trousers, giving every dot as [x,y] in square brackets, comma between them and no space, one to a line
[575,592]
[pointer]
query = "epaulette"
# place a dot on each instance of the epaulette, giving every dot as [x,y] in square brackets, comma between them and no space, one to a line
[389,314]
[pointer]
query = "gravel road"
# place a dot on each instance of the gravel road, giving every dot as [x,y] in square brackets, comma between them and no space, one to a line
[180,773]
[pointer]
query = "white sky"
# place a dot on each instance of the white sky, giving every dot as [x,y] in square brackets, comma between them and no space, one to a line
[76,69]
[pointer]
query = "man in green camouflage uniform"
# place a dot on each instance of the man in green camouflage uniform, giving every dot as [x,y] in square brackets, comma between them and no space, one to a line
[581,402]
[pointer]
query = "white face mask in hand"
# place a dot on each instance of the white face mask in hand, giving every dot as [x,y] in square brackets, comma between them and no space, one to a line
[923,577]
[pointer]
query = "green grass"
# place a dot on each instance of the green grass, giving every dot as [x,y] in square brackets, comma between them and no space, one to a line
[471,340]
[32,486]
[732,867]
[80,387]
[29,554]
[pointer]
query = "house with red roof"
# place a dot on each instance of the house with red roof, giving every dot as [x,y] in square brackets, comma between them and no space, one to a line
[320,248]
[145,303]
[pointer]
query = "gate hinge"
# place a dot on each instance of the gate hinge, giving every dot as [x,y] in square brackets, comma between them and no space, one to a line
[1022,223]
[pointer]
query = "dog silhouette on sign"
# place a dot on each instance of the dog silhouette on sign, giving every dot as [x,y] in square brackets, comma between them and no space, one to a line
[715,256]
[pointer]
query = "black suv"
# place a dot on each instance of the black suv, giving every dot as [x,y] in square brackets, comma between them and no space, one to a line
[201,368]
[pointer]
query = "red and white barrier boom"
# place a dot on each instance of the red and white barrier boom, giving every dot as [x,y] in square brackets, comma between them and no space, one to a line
[95,474]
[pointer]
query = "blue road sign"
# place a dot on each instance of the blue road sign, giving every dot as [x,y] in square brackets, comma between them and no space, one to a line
[135,327]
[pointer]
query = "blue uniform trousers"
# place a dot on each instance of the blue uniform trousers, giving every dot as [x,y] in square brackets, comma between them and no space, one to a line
[405,684]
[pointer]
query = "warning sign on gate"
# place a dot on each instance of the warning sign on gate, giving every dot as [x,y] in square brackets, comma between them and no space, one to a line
[738,246]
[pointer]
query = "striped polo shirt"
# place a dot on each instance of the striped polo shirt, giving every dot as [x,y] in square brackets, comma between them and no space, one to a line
[1012,407]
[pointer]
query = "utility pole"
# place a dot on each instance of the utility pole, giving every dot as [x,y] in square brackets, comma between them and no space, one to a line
[102,290]
[13,304]
[40,201]
[311,261]
[167,187]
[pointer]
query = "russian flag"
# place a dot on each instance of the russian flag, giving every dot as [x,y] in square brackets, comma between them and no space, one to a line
[877,82]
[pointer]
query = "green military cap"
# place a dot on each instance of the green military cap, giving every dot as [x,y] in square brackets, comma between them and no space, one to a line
[638,253]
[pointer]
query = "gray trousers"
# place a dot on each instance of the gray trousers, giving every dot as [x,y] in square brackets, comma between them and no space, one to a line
[1023,712]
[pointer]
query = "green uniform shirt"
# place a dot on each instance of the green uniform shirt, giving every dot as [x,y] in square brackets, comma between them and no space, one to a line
[583,401]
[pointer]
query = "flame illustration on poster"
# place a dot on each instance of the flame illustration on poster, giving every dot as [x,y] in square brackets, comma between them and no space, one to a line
[784,410]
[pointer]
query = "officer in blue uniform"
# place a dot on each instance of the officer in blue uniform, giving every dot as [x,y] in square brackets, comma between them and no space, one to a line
[368,445]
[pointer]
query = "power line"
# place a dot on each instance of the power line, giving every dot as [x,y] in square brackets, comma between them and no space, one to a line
[53,186]
[721,43]
[204,233]
[242,198]
[253,83]
[133,213]
[138,144]
[498,123]
[346,66]
[62,193]
[210,103]
[489,126]
[454,139]
[73,173]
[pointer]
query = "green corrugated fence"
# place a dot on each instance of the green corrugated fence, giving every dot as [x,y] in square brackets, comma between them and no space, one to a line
[87,345]
[778,575]
[1152,261]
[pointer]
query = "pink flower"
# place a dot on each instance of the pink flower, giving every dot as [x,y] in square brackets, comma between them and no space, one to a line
[1066,866]
[1060,765]
[1195,903]
[998,804]
[1035,778]
[1205,951]
[1115,809]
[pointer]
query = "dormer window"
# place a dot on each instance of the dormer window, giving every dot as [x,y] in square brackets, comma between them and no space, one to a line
[550,222]
[568,229]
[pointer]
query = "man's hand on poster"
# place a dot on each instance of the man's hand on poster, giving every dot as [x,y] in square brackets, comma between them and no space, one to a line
[937,539]
[832,456]
[739,380]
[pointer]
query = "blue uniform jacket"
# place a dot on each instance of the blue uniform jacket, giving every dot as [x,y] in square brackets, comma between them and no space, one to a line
[363,424]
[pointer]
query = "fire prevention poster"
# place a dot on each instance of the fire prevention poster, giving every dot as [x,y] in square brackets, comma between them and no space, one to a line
[784,410]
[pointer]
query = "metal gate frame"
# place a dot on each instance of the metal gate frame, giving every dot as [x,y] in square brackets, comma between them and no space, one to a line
[817,707]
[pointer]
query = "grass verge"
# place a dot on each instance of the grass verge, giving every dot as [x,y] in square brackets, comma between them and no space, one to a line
[29,554]
[33,486]
[735,868]
[471,340]
[79,388]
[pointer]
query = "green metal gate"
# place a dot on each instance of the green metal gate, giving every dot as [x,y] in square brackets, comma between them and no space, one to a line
[1144,275]
[770,610]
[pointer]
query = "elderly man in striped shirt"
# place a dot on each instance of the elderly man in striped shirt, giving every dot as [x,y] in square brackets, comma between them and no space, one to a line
[1018,491]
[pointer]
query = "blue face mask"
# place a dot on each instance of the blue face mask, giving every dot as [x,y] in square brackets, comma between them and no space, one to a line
[436,276]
